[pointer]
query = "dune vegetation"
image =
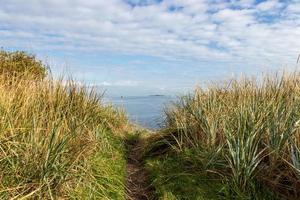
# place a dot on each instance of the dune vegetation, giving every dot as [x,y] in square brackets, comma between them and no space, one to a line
[238,140]
[57,139]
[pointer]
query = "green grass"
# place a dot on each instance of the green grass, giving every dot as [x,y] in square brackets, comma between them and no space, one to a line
[174,178]
[245,132]
[57,140]
[107,175]
[239,140]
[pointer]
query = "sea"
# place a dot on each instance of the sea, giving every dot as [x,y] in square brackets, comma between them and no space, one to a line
[145,111]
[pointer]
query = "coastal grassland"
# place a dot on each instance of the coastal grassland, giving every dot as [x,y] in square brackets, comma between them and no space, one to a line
[238,140]
[57,140]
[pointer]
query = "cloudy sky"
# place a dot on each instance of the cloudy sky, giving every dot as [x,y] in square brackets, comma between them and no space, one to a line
[135,47]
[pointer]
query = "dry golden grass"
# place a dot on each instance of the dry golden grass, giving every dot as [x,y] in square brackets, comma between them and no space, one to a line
[57,140]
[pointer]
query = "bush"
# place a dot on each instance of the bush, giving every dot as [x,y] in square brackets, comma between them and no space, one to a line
[21,64]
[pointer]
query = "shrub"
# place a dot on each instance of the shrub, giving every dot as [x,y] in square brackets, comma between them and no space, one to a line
[21,64]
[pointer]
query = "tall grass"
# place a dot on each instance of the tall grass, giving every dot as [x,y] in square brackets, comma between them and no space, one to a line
[251,126]
[58,141]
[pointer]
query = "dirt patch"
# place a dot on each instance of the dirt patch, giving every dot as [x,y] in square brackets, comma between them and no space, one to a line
[137,182]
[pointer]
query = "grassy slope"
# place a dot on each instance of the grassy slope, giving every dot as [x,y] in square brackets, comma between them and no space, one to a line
[58,141]
[243,136]
[107,168]
[240,141]
[174,178]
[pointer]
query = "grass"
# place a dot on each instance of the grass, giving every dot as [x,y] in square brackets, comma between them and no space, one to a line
[57,140]
[245,134]
[239,140]
[175,177]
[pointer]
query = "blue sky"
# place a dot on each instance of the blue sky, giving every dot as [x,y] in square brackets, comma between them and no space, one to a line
[140,47]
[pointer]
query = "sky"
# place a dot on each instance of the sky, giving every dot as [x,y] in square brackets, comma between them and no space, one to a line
[141,47]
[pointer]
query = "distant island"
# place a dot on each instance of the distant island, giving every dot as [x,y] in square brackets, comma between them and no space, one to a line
[156,95]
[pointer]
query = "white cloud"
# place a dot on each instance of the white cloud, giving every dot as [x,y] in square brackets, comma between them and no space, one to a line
[122,83]
[267,5]
[198,30]
[104,83]
[293,8]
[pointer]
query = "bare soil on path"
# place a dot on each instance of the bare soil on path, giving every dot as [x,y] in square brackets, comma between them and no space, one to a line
[137,180]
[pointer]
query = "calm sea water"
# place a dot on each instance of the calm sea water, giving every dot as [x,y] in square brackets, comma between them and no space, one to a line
[146,111]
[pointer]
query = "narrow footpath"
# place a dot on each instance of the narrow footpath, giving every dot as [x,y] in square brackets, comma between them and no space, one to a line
[137,182]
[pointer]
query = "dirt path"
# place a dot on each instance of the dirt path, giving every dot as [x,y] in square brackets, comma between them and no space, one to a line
[137,182]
